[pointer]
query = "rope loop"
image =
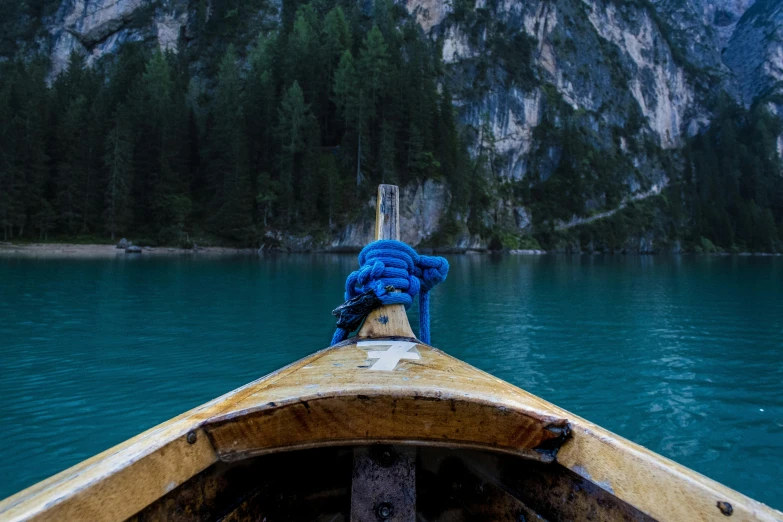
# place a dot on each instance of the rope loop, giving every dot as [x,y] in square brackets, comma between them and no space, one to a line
[392,263]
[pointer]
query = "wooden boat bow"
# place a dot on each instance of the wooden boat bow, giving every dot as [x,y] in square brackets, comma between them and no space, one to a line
[386,387]
[335,398]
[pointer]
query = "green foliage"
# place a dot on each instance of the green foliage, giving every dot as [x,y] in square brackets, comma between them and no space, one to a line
[732,181]
[585,173]
[504,54]
[229,168]
[503,239]
[22,22]
[118,161]
[706,246]
[225,140]
[513,51]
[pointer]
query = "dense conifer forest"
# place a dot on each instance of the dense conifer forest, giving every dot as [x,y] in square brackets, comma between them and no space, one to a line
[291,132]
[226,140]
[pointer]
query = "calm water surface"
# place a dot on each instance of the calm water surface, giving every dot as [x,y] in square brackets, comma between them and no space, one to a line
[683,355]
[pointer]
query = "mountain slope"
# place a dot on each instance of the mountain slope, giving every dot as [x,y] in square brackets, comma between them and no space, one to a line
[568,110]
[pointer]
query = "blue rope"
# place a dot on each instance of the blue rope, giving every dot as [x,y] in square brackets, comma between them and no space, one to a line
[386,262]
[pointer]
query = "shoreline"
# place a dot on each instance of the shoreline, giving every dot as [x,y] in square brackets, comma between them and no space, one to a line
[95,251]
[103,251]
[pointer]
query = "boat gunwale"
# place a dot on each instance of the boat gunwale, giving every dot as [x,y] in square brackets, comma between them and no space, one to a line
[685,491]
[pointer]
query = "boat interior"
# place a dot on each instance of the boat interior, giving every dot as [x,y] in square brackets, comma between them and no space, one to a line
[382,482]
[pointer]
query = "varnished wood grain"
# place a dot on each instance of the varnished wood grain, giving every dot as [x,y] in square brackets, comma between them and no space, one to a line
[117,483]
[653,484]
[332,397]
[387,321]
[335,398]
[340,420]
[387,213]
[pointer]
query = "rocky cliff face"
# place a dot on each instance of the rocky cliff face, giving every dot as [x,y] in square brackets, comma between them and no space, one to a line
[755,53]
[604,57]
[608,62]
[99,27]
[422,206]
[634,75]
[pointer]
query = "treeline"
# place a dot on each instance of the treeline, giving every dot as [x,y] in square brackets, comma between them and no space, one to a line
[292,132]
[224,141]
[732,188]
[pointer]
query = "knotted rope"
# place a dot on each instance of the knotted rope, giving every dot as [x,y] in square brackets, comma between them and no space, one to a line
[393,263]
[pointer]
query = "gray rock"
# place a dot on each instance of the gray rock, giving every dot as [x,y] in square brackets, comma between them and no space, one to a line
[96,28]
[526,252]
[522,218]
[755,51]
[422,206]
[133,250]
[124,243]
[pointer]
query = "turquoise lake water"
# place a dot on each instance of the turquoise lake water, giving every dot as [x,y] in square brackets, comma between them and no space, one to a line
[681,354]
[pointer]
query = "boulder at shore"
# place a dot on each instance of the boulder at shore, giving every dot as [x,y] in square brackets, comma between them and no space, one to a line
[124,243]
[133,250]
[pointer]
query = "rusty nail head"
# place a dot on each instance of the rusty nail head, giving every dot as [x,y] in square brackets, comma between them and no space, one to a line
[725,508]
[384,511]
[191,437]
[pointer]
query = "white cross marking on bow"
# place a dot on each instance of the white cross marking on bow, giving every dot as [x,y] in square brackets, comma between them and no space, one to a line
[388,360]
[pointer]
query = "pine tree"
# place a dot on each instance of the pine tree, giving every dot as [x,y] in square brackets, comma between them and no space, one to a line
[26,147]
[229,164]
[261,112]
[350,98]
[267,193]
[161,148]
[345,88]
[448,139]
[6,150]
[373,66]
[304,60]
[72,179]
[118,159]
[294,122]
[335,40]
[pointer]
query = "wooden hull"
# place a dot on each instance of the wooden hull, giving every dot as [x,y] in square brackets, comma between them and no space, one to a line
[285,447]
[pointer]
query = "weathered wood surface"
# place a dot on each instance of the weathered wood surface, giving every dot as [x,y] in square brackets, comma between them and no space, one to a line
[387,321]
[335,397]
[383,485]
[387,213]
[117,483]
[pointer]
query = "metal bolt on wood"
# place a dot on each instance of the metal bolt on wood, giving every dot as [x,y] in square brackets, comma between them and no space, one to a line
[385,511]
